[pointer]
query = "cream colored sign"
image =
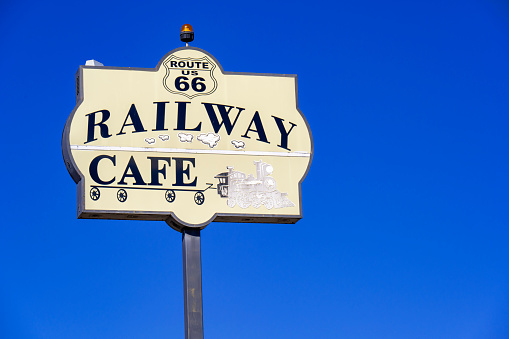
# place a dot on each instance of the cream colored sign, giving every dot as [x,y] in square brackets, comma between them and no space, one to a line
[187,143]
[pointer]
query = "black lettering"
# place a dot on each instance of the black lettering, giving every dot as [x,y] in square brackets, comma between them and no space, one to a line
[173,64]
[160,115]
[180,171]
[103,128]
[206,65]
[181,118]
[135,173]
[259,128]
[135,121]
[198,64]
[155,170]
[284,133]
[225,119]
[93,169]
[182,64]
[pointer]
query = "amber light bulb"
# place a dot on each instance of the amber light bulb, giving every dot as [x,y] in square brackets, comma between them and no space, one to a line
[186,33]
[186,28]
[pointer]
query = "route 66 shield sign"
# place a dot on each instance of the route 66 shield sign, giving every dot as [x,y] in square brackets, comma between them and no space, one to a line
[200,72]
[187,142]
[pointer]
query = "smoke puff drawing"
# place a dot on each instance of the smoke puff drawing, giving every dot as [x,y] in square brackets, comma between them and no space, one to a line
[150,140]
[185,137]
[210,139]
[164,137]
[238,143]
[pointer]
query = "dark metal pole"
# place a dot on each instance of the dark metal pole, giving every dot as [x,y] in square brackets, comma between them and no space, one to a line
[193,305]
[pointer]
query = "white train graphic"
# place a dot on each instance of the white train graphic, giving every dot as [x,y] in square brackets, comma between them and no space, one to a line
[246,190]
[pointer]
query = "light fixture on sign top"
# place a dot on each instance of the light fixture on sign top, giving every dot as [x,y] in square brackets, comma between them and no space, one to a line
[186,33]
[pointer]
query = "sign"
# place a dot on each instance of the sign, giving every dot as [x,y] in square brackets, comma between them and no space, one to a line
[187,143]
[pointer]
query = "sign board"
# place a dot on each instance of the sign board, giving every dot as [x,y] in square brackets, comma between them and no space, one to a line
[187,142]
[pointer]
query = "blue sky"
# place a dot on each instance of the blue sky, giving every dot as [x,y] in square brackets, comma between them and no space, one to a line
[406,218]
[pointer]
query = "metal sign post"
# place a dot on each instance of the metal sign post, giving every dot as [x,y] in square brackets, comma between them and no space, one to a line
[193,305]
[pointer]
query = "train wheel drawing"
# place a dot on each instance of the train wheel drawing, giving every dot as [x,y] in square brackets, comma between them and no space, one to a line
[269,203]
[256,203]
[170,195]
[231,202]
[94,193]
[121,195]
[199,198]
[243,200]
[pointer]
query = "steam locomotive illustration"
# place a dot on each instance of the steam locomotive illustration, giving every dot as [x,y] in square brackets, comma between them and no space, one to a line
[246,190]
